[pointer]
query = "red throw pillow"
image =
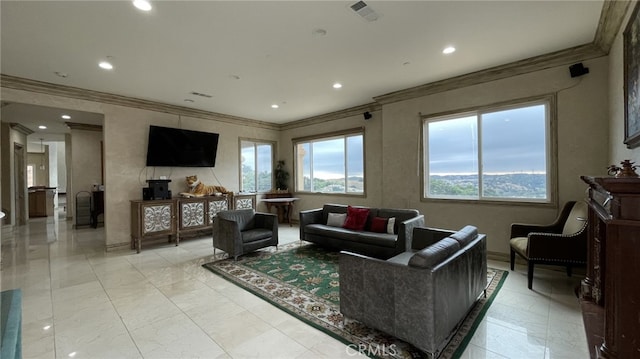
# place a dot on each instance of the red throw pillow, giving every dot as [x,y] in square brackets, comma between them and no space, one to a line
[379,225]
[356,218]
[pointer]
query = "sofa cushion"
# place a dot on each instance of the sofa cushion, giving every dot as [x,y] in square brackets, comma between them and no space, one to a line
[332,208]
[331,232]
[356,218]
[400,215]
[349,235]
[376,239]
[519,244]
[391,225]
[336,219]
[379,224]
[256,234]
[465,235]
[435,253]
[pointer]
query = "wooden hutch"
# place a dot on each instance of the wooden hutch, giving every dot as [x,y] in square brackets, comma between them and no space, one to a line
[610,293]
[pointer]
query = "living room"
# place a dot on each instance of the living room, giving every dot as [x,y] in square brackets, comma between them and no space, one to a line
[589,130]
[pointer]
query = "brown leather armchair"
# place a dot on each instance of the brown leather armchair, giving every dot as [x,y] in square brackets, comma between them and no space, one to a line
[563,242]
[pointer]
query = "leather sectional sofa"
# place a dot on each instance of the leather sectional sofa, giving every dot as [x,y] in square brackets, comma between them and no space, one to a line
[315,226]
[419,296]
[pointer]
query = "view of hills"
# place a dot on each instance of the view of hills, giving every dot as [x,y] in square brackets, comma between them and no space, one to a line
[515,185]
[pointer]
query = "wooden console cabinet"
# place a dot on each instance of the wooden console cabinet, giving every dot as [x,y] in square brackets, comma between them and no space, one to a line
[244,201]
[152,219]
[610,294]
[173,218]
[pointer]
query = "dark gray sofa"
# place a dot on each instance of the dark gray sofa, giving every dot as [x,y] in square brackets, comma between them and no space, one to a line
[314,228]
[419,296]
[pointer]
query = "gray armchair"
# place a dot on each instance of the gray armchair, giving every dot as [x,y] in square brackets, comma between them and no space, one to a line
[242,231]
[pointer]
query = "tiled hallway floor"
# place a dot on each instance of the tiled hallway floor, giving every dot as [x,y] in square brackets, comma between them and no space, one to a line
[81,302]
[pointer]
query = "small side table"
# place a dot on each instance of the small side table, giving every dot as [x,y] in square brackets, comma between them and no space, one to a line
[284,207]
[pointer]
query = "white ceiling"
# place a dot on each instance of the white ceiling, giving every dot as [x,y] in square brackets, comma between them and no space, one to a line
[249,55]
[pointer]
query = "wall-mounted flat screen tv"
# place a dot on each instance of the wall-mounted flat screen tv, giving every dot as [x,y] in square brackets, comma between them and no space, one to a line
[175,147]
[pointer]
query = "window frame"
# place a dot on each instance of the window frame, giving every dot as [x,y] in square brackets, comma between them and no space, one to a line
[255,143]
[550,140]
[328,136]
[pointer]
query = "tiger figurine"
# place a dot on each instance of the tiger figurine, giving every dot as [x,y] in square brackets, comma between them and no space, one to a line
[199,189]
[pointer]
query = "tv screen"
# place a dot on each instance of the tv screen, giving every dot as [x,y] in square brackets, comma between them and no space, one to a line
[174,147]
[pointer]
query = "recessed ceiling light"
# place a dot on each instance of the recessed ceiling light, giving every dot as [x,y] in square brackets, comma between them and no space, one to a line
[188,100]
[449,50]
[105,65]
[42,127]
[66,117]
[143,5]
[275,106]
[337,85]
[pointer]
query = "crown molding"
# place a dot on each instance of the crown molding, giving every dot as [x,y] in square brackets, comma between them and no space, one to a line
[611,18]
[537,63]
[610,22]
[20,128]
[24,84]
[332,116]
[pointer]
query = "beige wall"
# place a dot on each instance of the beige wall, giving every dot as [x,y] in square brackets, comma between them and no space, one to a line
[85,158]
[589,137]
[125,133]
[581,146]
[393,149]
[618,150]
[373,160]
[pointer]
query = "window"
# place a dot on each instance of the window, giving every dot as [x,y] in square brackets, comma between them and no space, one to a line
[501,153]
[256,163]
[31,180]
[332,163]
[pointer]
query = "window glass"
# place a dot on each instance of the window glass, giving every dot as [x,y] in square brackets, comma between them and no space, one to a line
[495,154]
[256,163]
[331,165]
[453,157]
[514,158]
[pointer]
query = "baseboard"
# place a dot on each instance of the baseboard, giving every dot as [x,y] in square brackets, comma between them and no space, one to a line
[498,256]
[117,246]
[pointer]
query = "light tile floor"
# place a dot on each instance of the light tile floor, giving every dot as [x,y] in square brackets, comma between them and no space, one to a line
[82,302]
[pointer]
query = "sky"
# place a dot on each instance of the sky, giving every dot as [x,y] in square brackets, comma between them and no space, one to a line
[328,159]
[513,141]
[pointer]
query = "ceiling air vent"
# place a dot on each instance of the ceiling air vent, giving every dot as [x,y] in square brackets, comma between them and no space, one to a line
[365,11]
[200,94]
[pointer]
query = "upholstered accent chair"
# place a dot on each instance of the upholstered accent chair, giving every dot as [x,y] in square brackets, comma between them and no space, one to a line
[563,242]
[242,231]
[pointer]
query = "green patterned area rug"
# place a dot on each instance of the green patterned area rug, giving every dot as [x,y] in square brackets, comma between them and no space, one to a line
[303,280]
